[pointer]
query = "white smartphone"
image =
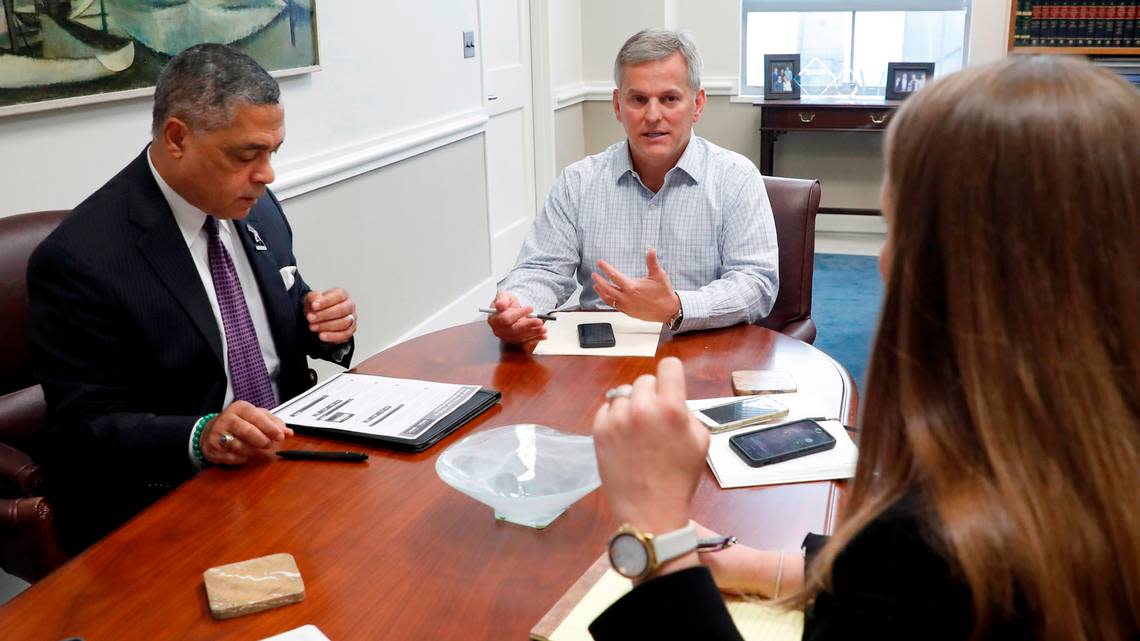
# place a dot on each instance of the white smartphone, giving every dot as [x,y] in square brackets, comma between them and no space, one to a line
[742,413]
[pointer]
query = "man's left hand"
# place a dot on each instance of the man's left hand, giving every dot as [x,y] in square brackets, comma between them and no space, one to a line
[331,315]
[651,298]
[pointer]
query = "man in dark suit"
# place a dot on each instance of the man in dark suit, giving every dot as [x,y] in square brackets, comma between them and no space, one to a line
[168,315]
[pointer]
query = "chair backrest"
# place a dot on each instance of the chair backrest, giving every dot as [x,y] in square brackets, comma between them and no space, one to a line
[21,400]
[795,203]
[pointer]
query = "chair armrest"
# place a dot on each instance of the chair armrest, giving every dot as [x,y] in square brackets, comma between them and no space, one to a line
[802,329]
[19,470]
[23,514]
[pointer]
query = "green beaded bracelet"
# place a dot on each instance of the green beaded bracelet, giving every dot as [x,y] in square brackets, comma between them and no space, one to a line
[197,438]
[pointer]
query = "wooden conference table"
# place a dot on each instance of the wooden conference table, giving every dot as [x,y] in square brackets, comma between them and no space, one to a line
[386,549]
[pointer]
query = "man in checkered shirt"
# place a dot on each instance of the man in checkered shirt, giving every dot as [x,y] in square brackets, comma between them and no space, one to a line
[663,226]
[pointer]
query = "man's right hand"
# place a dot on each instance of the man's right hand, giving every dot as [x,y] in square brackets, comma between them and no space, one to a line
[256,432]
[512,323]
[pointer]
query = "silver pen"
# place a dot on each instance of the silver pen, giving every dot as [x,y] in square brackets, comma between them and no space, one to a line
[550,317]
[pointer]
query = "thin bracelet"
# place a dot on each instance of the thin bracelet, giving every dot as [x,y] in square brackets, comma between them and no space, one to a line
[197,438]
[779,575]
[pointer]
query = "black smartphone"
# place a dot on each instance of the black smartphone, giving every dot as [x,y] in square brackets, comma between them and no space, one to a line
[781,443]
[596,335]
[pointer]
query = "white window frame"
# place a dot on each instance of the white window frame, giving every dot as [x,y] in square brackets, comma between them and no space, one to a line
[843,6]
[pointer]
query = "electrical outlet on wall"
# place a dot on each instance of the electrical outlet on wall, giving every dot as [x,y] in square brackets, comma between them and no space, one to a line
[468,44]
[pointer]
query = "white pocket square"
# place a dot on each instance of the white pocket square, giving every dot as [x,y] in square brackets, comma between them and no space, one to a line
[289,275]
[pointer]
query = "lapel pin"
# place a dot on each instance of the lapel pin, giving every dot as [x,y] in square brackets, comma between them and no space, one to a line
[259,244]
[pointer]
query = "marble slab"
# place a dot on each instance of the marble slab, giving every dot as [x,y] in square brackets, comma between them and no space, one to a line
[252,586]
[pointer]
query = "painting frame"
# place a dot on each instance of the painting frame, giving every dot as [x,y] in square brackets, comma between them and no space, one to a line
[283,38]
[781,65]
[899,87]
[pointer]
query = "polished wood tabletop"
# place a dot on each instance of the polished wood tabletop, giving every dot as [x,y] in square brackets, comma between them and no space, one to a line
[385,548]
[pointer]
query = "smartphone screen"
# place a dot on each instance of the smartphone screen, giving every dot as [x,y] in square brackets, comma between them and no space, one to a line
[781,443]
[742,410]
[596,335]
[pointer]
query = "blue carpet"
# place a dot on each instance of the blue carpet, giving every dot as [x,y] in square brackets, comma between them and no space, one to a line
[846,296]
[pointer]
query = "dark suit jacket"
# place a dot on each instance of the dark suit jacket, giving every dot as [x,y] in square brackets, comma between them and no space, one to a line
[891,582]
[128,350]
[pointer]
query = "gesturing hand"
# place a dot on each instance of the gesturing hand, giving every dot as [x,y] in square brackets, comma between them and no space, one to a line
[651,451]
[651,298]
[331,315]
[256,432]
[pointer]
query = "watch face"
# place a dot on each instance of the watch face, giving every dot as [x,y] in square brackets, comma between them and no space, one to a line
[628,556]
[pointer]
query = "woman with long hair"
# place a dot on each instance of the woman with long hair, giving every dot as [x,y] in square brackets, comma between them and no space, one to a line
[997,494]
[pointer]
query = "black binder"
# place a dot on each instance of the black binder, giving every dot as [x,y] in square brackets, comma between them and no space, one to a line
[483,400]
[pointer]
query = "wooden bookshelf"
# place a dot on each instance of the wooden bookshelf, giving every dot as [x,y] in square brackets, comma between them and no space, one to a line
[1082,51]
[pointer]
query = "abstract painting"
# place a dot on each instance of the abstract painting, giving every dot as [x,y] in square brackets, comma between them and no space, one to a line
[57,53]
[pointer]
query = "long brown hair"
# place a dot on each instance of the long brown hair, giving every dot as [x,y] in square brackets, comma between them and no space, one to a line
[1004,385]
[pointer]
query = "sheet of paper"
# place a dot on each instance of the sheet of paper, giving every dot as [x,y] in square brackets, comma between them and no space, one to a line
[395,407]
[731,471]
[303,633]
[754,618]
[632,337]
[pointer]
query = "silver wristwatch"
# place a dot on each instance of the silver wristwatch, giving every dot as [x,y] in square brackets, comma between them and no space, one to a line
[634,553]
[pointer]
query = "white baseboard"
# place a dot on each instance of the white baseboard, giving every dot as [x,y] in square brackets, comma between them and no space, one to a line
[851,224]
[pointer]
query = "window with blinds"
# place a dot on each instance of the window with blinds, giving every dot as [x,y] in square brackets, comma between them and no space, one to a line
[845,45]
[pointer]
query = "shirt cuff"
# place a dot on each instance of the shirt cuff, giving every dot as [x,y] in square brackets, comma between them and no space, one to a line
[198,465]
[696,311]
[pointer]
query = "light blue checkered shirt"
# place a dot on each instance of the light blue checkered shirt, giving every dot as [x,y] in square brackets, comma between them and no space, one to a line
[711,223]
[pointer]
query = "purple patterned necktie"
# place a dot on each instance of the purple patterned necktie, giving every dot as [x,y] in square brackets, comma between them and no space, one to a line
[248,375]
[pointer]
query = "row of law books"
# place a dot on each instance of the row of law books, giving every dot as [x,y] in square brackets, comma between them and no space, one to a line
[1077,23]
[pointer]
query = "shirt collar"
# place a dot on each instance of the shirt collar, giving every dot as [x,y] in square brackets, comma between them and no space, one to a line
[690,162]
[190,219]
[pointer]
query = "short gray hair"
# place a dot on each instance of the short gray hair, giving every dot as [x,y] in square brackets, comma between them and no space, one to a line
[204,84]
[648,45]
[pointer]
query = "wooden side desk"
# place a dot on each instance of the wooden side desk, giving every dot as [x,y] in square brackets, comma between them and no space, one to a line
[386,549]
[779,117]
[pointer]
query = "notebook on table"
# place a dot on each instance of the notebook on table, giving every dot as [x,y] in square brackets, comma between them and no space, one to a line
[600,587]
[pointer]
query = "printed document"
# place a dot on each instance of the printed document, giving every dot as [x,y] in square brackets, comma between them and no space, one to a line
[378,405]
[632,337]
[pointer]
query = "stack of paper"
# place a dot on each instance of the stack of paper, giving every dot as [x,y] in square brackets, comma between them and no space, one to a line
[731,471]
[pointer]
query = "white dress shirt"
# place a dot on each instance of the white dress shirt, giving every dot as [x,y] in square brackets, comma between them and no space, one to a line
[191,221]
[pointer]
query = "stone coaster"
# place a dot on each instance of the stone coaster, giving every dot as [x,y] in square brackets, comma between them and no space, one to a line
[252,586]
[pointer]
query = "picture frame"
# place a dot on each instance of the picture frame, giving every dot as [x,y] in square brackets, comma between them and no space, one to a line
[905,78]
[782,76]
[105,50]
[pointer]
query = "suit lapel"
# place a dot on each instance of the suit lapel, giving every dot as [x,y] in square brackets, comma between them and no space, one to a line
[278,306]
[163,246]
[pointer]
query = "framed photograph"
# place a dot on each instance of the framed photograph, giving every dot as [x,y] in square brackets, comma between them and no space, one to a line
[782,76]
[59,53]
[905,78]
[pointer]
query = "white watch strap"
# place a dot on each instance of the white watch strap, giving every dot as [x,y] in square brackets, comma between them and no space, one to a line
[671,545]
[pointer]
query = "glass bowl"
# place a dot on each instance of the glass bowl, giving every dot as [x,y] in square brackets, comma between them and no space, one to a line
[529,474]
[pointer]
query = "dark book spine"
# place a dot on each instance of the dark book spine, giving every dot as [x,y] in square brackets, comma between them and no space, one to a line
[1035,10]
[1024,33]
[1100,32]
[1133,10]
[1119,14]
[1049,25]
[1084,38]
[1071,30]
[1090,24]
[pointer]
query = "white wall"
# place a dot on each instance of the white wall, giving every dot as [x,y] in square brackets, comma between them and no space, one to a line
[394,113]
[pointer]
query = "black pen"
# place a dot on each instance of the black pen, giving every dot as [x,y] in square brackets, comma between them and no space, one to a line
[315,455]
